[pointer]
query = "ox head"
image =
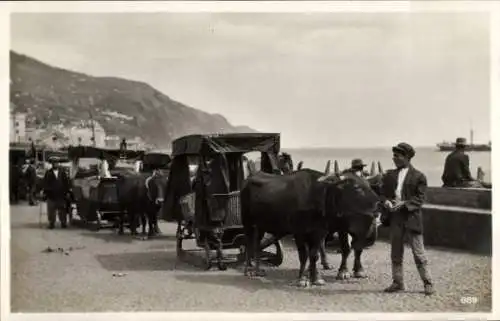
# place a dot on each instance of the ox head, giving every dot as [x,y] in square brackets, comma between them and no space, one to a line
[356,199]
[156,186]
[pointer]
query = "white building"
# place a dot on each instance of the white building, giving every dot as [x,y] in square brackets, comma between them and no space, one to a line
[83,134]
[17,127]
[112,141]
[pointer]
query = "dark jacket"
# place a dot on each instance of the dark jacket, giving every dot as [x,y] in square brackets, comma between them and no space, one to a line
[56,189]
[412,194]
[30,175]
[456,169]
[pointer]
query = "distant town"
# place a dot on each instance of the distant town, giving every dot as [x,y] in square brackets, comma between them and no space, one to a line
[59,136]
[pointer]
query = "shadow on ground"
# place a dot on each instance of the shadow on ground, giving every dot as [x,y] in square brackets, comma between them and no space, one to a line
[283,279]
[144,261]
[109,236]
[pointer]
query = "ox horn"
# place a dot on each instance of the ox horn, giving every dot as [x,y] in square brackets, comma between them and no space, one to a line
[372,169]
[299,165]
[327,167]
[480,174]
[251,167]
[336,167]
[380,169]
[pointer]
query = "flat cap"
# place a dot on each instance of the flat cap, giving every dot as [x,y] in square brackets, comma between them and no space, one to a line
[54,159]
[405,149]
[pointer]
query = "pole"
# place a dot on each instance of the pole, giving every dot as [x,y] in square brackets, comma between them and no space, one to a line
[93,127]
[471,133]
[91,104]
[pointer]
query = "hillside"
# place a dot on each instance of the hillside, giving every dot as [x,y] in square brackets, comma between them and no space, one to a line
[51,96]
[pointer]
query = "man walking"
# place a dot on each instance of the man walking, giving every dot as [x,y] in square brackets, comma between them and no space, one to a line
[456,167]
[404,191]
[56,187]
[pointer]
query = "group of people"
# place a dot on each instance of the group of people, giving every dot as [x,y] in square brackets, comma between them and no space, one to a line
[23,181]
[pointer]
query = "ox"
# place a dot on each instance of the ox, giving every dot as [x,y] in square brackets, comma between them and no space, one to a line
[297,204]
[354,213]
[352,224]
[140,195]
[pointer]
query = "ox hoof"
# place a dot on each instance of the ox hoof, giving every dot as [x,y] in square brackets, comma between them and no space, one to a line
[326,266]
[360,274]
[319,282]
[222,266]
[343,275]
[303,283]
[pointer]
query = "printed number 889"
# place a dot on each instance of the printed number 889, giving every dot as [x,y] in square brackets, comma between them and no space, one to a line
[469,300]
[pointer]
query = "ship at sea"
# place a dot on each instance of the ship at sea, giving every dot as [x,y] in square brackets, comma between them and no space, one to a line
[450,146]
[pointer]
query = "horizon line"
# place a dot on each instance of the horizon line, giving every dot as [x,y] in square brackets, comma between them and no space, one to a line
[350,147]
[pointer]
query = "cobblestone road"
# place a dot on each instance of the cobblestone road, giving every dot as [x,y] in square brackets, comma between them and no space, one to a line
[152,281]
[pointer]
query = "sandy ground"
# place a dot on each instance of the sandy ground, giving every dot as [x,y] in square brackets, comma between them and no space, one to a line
[154,280]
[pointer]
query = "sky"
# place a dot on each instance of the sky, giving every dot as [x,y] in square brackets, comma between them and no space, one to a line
[319,79]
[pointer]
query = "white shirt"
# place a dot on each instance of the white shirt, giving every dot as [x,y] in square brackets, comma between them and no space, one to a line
[401,178]
[56,172]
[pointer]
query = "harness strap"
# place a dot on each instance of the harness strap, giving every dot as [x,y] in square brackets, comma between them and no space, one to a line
[148,191]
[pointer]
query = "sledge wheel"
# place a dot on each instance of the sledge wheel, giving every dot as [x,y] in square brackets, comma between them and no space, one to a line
[208,259]
[274,258]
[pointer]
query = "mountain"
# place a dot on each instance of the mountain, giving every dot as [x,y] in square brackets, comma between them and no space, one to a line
[53,96]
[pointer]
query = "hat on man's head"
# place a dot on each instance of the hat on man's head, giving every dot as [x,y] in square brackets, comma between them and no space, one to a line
[461,141]
[404,149]
[54,159]
[357,163]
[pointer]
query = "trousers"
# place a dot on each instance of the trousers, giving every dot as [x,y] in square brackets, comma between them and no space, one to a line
[400,234]
[56,207]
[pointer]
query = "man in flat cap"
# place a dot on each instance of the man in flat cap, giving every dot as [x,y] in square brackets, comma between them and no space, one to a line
[56,187]
[456,167]
[403,192]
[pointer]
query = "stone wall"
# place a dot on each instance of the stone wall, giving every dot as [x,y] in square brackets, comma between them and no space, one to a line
[456,228]
[464,197]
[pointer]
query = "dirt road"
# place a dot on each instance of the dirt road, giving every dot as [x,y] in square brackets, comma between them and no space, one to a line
[149,278]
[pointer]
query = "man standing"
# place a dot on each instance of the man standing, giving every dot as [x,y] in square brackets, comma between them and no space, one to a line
[56,187]
[357,167]
[30,177]
[123,147]
[404,191]
[456,168]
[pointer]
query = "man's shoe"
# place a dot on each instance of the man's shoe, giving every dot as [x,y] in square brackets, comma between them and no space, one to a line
[428,289]
[394,287]
[51,226]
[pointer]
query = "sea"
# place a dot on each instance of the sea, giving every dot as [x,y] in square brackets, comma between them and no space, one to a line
[428,160]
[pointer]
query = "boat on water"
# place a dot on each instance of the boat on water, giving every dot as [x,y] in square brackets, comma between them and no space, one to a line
[450,146]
